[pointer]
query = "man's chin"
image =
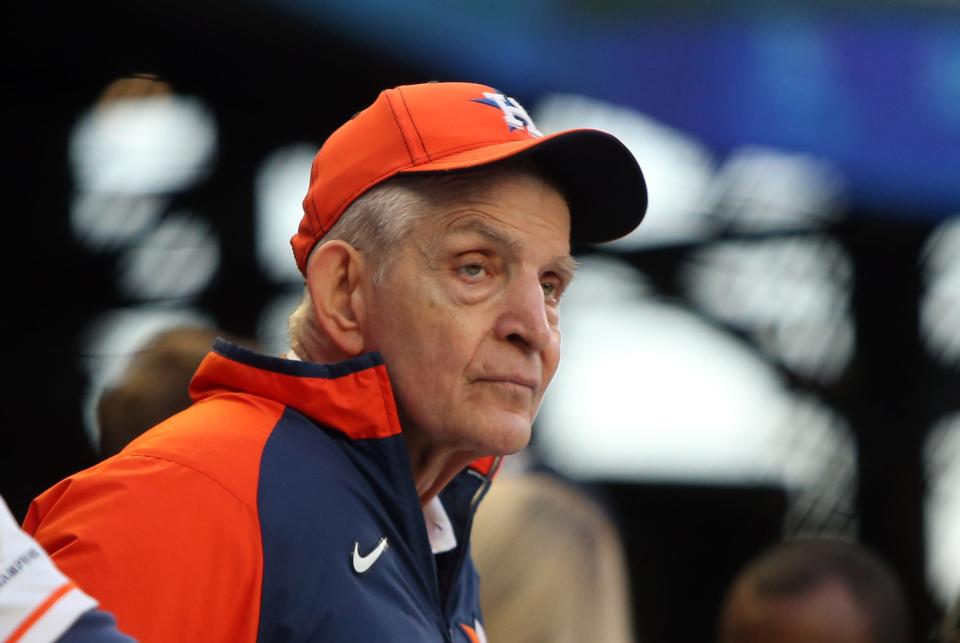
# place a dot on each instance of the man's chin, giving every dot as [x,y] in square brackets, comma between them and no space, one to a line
[508,437]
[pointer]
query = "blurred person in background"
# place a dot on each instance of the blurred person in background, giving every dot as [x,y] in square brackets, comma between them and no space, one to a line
[551,563]
[154,384]
[329,495]
[815,590]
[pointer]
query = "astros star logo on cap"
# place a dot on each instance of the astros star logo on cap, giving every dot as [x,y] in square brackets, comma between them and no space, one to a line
[514,114]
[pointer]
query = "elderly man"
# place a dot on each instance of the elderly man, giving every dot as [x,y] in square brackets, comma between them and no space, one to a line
[328,495]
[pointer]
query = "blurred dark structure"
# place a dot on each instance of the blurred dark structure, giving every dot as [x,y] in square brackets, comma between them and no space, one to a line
[272,79]
[949,630]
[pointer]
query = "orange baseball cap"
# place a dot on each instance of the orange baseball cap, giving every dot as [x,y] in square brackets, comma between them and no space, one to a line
[444,127]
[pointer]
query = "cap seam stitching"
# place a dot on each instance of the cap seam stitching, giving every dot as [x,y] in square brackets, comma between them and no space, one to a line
[396,121]
[313,202]
[415,128]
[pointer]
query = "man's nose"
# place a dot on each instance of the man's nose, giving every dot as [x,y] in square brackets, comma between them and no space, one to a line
[524,320]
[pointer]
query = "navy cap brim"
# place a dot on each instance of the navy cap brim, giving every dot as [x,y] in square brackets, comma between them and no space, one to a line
[599,176]
[603,183]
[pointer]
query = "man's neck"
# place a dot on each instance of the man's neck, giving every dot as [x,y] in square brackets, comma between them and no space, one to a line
[433,467]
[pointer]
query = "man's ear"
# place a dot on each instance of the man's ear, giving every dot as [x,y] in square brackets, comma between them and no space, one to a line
[335,273]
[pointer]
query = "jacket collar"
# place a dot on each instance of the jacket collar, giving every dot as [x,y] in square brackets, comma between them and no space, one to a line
[353,397]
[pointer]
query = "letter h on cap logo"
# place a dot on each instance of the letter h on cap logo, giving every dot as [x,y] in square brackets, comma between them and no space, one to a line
[514,114]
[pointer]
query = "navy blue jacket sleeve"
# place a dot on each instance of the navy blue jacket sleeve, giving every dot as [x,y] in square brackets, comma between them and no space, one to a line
[95,626]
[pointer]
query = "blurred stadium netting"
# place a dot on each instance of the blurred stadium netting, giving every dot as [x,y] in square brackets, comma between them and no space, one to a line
[775,352]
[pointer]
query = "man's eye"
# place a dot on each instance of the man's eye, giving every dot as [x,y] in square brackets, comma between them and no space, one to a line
[550,289]
[473,270]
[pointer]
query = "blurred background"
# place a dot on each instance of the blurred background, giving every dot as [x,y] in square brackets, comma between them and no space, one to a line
[776,352]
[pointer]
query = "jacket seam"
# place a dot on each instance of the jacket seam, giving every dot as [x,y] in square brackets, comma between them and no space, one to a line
[203,474]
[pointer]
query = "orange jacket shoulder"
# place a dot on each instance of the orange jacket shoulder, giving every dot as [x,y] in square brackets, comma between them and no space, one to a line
[166,534]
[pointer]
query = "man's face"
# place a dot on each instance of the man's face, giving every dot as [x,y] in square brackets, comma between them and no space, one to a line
[466,315]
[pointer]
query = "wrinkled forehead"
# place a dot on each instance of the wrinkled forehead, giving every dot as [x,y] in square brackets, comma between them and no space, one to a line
[511,211]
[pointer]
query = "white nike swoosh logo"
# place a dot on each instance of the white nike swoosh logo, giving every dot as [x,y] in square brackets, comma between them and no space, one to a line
[363,563]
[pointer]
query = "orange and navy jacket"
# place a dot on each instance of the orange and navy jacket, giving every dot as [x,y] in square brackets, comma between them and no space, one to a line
[237,519]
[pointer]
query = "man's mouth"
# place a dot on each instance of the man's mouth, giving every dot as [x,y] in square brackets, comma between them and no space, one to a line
[516,380]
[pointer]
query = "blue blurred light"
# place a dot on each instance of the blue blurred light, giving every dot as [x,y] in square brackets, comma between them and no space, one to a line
[874,90]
